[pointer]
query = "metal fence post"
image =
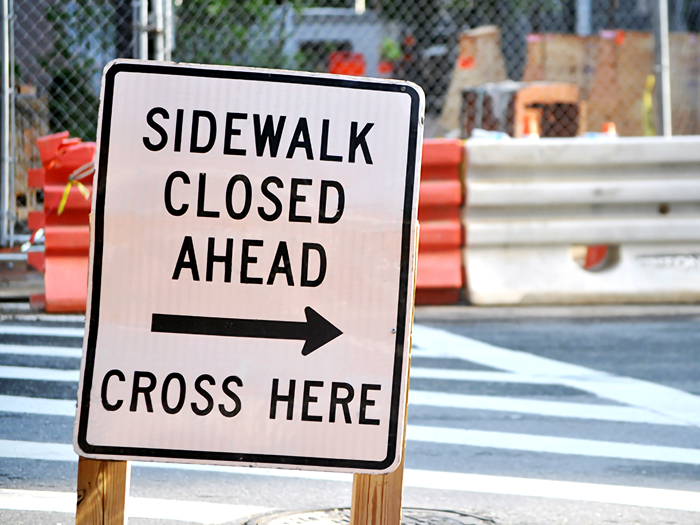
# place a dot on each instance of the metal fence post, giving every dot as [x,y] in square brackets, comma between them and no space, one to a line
[7,139]
[143,30]
[662,69]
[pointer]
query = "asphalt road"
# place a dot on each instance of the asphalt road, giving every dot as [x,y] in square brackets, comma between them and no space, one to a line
[580,419]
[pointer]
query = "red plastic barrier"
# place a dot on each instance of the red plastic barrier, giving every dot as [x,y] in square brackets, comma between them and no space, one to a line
[442,159]
[440,235]
[66,283]
[62,240]
[440,194]
[347,63]
[35,178]
[67,234]
[440,276]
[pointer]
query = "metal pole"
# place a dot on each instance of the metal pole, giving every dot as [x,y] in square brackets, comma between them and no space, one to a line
[143,30]
[158,15]
[12,135]
[583,17]
[136,28]
[6,140]
[168,16]
[663,69]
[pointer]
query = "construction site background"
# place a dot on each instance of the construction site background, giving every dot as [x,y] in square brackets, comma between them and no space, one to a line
[569,66]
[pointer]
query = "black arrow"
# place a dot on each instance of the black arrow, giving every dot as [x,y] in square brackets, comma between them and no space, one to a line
[315,331]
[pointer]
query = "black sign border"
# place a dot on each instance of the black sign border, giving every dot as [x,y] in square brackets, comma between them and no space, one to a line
[98,225]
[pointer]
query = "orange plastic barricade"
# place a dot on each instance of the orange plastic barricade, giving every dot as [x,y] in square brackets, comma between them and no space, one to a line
[347,63]
[66,178]
[440,277]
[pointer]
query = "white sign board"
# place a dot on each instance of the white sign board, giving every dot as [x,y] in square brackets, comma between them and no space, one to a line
[252,268]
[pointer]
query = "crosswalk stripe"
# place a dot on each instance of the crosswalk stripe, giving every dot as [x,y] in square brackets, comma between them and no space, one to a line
[553,445]
[46,351]
[518,367]
[38,374]
[541,408]
[47,331]
[566,490]
[425,479]
[38,451]
[436,399]
[149,508]
[478,375]
[473,438]
[35,405]
[671,402]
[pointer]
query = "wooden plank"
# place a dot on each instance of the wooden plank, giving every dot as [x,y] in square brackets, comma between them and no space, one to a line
[103,487]
[685,72]
[545,93]
[635,60]
[535,64]
[480,61]
[376,500]
[602,97]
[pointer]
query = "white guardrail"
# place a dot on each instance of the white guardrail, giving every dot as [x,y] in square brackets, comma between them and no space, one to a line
[534,207]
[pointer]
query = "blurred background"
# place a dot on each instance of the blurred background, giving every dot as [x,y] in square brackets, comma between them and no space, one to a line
[599,59]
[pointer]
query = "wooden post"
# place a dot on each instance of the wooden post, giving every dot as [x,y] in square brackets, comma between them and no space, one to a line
[376,499]
[103,487]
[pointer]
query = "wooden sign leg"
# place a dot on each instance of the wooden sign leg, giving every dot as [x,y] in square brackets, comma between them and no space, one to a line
[103,487]
[376,500]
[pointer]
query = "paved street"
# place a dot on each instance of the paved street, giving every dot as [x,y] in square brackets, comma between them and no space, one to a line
[584,419]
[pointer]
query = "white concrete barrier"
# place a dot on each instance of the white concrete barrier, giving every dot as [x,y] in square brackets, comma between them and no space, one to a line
[533,206]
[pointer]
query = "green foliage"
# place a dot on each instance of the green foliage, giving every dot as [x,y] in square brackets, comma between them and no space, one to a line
[391,50]
[77,39]
[233,32]
[73,103]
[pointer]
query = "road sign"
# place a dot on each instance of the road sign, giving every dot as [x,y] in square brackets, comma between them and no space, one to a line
[252,268]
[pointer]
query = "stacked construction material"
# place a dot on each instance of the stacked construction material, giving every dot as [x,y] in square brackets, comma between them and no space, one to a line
[506,106]
[480,61]
[440,275]
[66,178]
[612,70]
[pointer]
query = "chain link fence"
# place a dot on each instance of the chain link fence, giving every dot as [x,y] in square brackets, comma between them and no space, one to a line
[515,67]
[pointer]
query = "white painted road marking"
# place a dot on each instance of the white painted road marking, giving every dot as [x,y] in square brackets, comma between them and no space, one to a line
[553,445]
[615,494]
[518,367]
[36,405]
[430,342]
[47,331]
[478,375]
[667,401]
[541,488]
[453,436]
[48,351]
[150,508]
[541,408]
[38,374]
[439,399]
